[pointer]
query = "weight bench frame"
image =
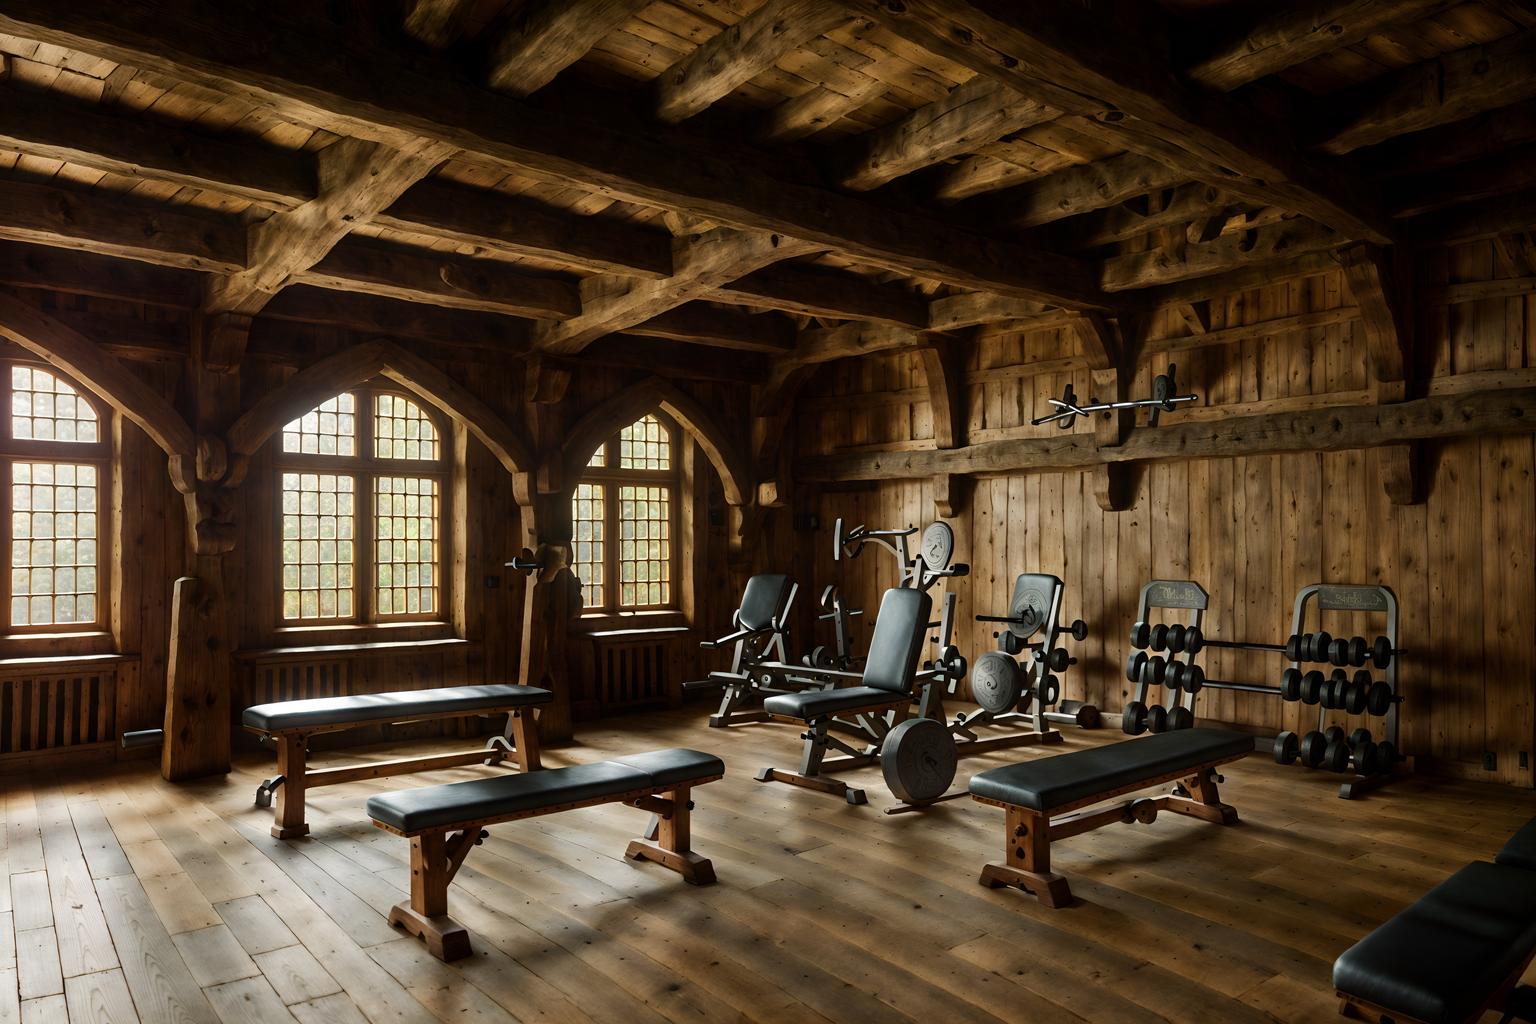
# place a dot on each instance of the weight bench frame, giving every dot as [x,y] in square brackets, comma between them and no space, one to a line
[1355,1008]
[294,778]
[436,857]
[1029,833]
[873,724]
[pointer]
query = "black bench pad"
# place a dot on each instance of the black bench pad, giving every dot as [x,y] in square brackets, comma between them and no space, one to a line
[1440,958]
[395,706]
[815,703]
[1068,778]
[1520,851]
[415,810]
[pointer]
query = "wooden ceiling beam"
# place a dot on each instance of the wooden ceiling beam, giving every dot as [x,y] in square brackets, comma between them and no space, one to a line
[547,36]
[702,263]
[1284,35]
[740,52]
[1271,244]
[303,71]
[974,113]
[1435,92]
[829,293]
[74,272]
[1134,218]
[368,313]
[678,359]
[1509,171]
[972,309]
[1476,138]
[824,345]
[1076,190]
[357,179]
[699,323]
[1111,61]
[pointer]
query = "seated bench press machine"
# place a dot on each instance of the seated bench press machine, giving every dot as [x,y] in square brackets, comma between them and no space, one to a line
[292,723]
[445,822]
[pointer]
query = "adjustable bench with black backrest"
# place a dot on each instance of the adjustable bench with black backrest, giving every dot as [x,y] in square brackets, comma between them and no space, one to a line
[659,782]
[1035,792]
[759,630]
[1456,953]
[883,699]
[291,723]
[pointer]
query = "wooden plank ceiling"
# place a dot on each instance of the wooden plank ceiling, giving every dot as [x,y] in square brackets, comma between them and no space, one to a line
[545,175]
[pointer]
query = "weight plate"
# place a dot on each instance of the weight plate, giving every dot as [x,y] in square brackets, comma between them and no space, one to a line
[1181,718]
[1320,643]
[1365,758]
[938,546]
[1293,647]
[1009,644]
[1151,670]
[1162,388]
[1079,630]
[997,682]
[1335,732]
[1359,736]
[1378,699]
[919,759]
[1160,637]
[1290,685]
[1134,665]
[1157,718]
[1381,653]
[1174,675]
[1338,652]
[1176,639]
[1133,720]
[1087,716]
[1058,660]
[1357,651]
[1141,633]
[1050,691]
[1354,697]
[1194,640]
[1313,746]
[1336,755]
[1386,757]
[1287,746]
[820,657]
[1311,687]
[1194,679]
[1029,608]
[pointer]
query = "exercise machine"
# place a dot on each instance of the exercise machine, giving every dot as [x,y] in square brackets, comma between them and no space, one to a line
[759,634]
[835,609]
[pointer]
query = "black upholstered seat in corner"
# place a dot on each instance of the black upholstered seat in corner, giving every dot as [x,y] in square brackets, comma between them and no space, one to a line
[1520,851]
[1438,959]
[396,706]
[1067,778]
[815,703]
[413,810]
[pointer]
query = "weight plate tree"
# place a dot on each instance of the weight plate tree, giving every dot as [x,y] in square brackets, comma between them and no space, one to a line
[1032,642]
[918,759]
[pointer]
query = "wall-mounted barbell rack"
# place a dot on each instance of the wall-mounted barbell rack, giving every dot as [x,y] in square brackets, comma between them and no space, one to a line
[1165,398]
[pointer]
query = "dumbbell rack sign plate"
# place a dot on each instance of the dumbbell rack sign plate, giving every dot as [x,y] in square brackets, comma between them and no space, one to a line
[1354,599]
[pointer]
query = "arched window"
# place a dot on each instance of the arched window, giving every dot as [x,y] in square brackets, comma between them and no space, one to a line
[624,512]
[362,480]
[58,457]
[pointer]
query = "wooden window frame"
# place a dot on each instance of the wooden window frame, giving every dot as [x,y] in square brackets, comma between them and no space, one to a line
[611,477]
[365,468]
[96,453]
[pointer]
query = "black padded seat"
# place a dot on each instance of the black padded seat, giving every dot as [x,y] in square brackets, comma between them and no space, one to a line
[815,703]
[1054,782]
[763,600]
[413,810]
[396,706]
[1520,851]
[1438,959]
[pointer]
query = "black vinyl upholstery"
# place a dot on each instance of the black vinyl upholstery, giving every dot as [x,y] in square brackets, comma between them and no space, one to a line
[1437,960]
[762,600]
[815,703]
[429,807]
[1520,851]
[396,706]
[1067,778]
[897,643]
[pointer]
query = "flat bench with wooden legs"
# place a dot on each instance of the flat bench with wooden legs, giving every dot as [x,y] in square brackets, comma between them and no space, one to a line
[445,822]
[291,723]
[1035,793]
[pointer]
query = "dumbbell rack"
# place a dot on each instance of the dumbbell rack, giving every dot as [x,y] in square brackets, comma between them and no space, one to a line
[1179,595]
[1356,598]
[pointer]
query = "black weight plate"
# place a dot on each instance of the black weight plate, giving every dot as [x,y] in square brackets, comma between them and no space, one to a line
[1160,637]
[1313,746]
[1287,746]
[1181,718]
[1134,665]
[997,682]
[1194,640]
[1386,757]
[1338,652]
[1320,643]
[1354,697]
[1305,648]
[1028,608]
[1050,691]
[1293,647]
[1141,633]
[1176,638]
[1311,687]
[1058,660]
[1378,700]
[918,759]
[1157,718]
[1336,755]
[1359,736]
[1079,630]
[1194,679]
[1009,644]
[1152,670]
[1381,653]
[1364,756]
[1334,732]
[1290,685]
[1133,720]
[1174,675]
[938,546]
[1357,651]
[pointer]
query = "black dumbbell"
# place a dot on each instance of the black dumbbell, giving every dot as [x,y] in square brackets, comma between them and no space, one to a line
[1359,736]
[1181,718]
[1287,747]
[1386,757]
[1141,635]
[1193,679]
[1314,646]
[1079,630]
[1364,756]
[1293,647]
[1379,699]
[1336,754]
[1058,660]
[1355,694]
[1159,637]
[1290,685]
[1173,675]
[1133,720]
[1153,670]
[1157,718]
[1175,638]
[1312,687]
[1333,690]
[1194,639]
[1314,746]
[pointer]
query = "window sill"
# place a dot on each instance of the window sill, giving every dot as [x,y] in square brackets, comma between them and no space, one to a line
[66,659]
[362,647]
[596,622]
[74,646]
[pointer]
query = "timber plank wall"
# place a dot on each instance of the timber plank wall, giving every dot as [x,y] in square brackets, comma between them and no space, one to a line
[1253,530]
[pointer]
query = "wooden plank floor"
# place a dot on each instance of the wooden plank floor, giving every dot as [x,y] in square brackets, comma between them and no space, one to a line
[127,898]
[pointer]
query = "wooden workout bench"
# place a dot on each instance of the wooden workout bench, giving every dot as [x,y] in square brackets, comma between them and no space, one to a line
[659,781]
[1034,792]
[292,722]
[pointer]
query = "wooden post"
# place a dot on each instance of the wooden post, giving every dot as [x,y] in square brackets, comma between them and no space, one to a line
[552,599]
[426,916]
[292,763]
[197,710]
[671,846]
